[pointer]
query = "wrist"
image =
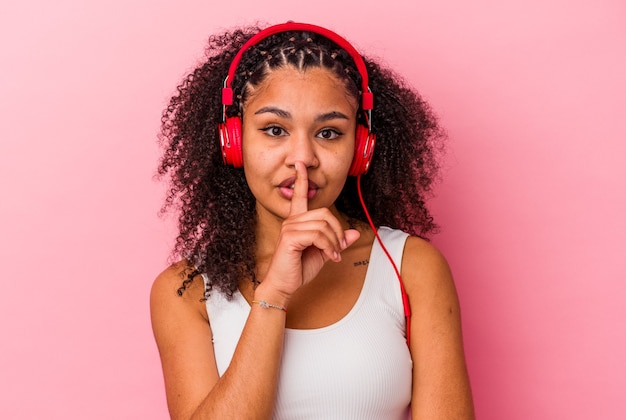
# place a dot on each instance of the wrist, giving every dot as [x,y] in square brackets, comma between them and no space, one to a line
[267,305]
[265,293]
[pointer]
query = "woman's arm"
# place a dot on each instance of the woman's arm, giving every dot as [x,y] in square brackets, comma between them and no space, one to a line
[441,388]
[183,335]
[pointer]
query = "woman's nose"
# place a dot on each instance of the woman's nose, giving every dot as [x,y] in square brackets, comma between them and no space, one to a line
[302,148]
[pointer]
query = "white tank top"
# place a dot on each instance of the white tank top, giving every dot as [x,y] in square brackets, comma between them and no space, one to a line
[357,368]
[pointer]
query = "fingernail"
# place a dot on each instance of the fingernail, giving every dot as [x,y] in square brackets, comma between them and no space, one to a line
[336,255]
[344,244]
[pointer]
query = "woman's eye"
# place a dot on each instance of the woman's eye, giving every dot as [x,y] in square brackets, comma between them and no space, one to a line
[329,134]
[274,131]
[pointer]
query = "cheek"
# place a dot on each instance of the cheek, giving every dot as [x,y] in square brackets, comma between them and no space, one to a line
[256,167]
[344,158]
[253,155]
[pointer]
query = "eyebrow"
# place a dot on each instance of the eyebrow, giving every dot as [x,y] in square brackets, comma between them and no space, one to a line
[333,115]
[273,110]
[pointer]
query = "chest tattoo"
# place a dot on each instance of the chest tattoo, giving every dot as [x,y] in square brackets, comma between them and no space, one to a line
[364,262]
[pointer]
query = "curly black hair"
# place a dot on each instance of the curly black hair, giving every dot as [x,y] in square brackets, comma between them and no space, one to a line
[217,212]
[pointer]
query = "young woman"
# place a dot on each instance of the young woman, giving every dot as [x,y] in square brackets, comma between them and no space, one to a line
[286,305]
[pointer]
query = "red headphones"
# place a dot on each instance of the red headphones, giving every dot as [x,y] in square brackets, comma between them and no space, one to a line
[230,128]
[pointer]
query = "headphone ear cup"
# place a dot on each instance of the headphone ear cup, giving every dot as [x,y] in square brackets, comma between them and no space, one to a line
[230,140]
[363,151]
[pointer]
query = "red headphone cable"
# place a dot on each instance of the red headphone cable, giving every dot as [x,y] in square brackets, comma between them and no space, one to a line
[405,297]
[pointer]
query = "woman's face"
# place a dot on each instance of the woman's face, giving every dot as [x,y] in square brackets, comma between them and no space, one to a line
[295,115]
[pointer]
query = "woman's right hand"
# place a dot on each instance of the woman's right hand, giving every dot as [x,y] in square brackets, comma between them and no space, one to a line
[307,240]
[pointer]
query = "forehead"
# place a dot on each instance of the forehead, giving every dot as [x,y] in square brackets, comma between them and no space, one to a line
[314,86]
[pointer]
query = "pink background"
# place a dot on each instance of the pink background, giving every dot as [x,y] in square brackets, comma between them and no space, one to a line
[532,205]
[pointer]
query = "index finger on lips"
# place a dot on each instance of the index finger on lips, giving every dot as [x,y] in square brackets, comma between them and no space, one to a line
[299,199]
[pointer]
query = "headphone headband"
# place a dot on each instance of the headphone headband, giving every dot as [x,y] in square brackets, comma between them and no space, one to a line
[367,98]
[231,130]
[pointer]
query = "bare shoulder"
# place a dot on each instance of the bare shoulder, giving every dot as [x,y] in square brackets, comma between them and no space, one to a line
[430,286]
[164,295]
[422,249]
[173,276]
[171,313]
[424,266]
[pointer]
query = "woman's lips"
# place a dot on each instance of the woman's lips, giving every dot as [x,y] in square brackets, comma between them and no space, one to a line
[286,188]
